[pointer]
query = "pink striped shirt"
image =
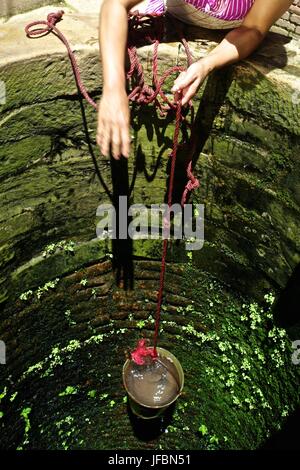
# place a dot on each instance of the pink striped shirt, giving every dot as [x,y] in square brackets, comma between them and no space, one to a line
[228,10]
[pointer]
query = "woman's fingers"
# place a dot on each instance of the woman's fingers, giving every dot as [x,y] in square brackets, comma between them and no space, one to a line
[116,143]
[178,82]
[125,147]
[105,141]
[177,96]
[114,125]
[102,136]
[188,82]
[184,80]
[114,139]
[100,128]
[189,92]
[99,137]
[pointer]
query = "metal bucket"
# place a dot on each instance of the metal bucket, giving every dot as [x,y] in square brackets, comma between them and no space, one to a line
[149,412]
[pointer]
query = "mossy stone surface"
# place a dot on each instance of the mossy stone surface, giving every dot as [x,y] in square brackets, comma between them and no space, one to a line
[67,316]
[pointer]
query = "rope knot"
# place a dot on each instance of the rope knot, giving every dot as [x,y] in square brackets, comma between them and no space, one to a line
[193,181]
[54,18]
[192,184]
[142,353]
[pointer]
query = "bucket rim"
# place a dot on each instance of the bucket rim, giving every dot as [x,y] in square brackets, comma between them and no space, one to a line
[178,366]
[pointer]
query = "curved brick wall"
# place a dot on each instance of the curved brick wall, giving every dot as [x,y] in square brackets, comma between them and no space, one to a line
[289,24]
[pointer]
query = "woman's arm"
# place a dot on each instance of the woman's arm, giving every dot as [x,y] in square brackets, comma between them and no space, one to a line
[113,114]
[237,44]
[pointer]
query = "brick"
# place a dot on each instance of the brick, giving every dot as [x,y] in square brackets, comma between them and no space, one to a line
[291,27]
[286,16]
[295,19]
[295,9]
[285,25]
[278,30]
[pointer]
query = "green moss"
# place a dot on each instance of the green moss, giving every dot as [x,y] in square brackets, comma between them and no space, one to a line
[237,363]
[257,96]
[19,156]
[245,360]
[58,264]
[25,415]
[70,390]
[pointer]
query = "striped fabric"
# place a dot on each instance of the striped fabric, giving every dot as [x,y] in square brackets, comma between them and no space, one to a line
[228,10]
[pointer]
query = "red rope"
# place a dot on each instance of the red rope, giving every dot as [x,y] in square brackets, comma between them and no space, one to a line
[192,184]
[151,28]
[166,226]
[52,20]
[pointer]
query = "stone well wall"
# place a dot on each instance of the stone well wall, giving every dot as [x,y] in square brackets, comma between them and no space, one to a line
[71,306]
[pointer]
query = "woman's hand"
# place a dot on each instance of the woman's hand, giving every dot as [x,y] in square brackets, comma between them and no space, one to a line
[187,83]
[114,123]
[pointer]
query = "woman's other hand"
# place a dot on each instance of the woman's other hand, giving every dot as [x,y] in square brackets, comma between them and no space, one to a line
[187,83]
[114,124]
